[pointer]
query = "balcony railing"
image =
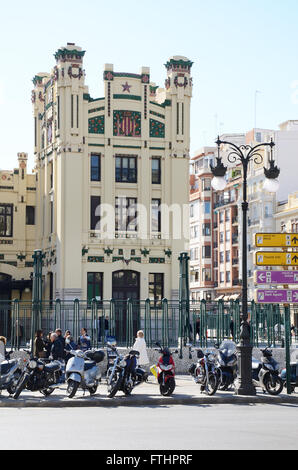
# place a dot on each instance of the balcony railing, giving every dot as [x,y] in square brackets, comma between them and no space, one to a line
[224,202]
[235,261]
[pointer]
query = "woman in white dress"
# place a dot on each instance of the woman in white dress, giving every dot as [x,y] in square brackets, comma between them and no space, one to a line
[140,345]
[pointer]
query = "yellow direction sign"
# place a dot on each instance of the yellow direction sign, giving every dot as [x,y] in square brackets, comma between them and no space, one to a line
[274,240]
[269,258]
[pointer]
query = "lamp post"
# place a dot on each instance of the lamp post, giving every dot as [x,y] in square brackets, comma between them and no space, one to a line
[244,154]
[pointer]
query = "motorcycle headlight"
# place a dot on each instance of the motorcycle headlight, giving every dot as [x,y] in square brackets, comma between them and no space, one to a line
[32,364]
[123,363]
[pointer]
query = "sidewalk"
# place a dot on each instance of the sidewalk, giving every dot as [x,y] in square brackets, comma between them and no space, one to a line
[186,393]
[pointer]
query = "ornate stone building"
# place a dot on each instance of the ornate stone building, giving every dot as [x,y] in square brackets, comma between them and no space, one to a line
[17,231]
[128,151]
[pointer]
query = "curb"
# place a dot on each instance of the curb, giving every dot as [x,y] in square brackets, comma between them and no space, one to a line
[135,401]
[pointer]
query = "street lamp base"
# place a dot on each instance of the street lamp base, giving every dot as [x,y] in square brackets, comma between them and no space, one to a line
[244,384]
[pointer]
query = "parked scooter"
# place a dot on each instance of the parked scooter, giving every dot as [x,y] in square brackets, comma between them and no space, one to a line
[166,371]
[124,374]
[227,364]
[205,372]
[82,370]
[41,375]
[265,373]
[10,373]
[294,376]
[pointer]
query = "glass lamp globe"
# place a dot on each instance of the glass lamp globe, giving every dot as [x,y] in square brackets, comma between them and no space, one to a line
[218,183]
[271,185]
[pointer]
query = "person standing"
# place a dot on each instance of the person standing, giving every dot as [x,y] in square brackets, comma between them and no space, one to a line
[39,345]
[84,341]
[57,351]
[61,339]
[140,345]
[3,342]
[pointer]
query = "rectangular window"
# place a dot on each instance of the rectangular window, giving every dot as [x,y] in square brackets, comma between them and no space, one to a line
[95,213]
[206,229]
[126,214]
[206,184]
[72,111]
[35,131]
[221,257]
[206,251]
[228,235]
[30,215]
[51,217]
[94,286]
[155,215]
[95,167]
[221,237]
[156,170]
[156,288]
[207,207]
[206,273]
[228,256]
[126,169]
[58,112]
[6,220]
[228,276]
[222,277]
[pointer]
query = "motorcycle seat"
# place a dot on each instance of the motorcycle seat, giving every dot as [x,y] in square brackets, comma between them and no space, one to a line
[52,367]
[89,365]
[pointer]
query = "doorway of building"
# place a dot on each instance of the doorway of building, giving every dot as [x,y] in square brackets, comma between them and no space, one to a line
[126,285]
[5,306]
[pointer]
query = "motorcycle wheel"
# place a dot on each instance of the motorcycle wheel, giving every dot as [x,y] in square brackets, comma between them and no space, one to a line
[270,388]
[167,389]
[212,387]
[47,391]
[21,385]
[12,388]
[128,389]
[72,388]
[93,390]
[114,387]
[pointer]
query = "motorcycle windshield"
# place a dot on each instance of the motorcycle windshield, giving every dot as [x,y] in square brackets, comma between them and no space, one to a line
[228,348]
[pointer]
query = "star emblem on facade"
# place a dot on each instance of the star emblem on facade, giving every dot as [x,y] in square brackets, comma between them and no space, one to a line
[126,87]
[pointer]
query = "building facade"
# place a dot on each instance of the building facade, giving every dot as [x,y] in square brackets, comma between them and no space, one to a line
[17,231]
[112,175]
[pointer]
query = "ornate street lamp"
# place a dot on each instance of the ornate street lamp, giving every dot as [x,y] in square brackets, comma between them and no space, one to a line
[244,154]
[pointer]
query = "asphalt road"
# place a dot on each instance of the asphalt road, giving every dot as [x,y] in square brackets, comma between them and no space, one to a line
[159,428]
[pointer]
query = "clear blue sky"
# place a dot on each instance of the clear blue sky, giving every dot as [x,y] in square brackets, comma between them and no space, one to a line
[237,46]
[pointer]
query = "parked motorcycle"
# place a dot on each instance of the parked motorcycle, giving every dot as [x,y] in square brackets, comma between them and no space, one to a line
[124,374]
[166,371]
[265,373]
[226,364]
[82,370]
[10,373]
[294,376]
[41,375]
[205,372]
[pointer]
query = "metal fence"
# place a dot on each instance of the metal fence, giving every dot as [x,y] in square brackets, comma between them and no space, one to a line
[171,322]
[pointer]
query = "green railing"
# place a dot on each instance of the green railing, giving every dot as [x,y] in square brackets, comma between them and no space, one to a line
[165,321]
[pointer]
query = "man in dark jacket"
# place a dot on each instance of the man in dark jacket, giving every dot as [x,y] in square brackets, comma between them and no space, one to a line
[62,339]
[57,350]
